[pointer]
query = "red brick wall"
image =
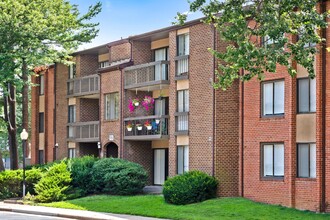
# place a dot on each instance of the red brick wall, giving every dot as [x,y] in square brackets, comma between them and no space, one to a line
[49,115]
[140,152]
[87,65]
[34,120]
[89,110]
[141,52]
[120,52]
[61,110]
[111,82]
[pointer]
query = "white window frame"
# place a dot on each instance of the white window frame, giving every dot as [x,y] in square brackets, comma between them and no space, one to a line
[73,116]
[41,84]
[104,64]
[111,112]
[183,38]
[72,153]
[72,71]
[273,160]
[182,159]
[277,101]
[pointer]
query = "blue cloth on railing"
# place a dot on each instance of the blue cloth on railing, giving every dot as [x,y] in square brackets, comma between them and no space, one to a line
[154,125]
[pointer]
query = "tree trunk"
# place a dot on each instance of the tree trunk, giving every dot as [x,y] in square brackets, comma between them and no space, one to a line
[10,117]
[2,167]
[25,96]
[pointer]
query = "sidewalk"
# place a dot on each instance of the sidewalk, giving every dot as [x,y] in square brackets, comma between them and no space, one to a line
[66,213]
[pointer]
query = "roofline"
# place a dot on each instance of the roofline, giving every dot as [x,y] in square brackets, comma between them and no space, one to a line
[139,36]
[169,28]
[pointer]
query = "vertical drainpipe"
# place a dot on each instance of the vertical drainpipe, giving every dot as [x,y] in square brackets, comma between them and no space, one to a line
[100,116]
[242,137]
[323,178]
[54,116]
[213,91]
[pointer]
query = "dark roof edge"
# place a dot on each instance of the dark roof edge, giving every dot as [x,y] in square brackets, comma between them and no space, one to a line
[170,28]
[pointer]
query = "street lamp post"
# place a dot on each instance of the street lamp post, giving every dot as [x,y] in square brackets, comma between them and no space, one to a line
[24,137]
[99,147]
[55,150]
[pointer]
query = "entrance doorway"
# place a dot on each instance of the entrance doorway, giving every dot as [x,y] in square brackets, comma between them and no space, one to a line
[160,166]
[112,150]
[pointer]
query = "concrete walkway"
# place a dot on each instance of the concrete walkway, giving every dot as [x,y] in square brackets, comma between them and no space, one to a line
[66,213]
[153,189]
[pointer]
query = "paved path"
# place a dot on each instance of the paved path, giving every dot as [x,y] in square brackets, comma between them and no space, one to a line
[20,216]
[64,213]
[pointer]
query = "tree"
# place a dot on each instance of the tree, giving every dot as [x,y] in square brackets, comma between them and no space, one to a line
[289,29]
[34,33]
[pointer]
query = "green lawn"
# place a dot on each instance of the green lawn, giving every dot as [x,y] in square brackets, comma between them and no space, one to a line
[154,206]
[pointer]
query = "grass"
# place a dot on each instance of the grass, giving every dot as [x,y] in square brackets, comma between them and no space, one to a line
[154,206]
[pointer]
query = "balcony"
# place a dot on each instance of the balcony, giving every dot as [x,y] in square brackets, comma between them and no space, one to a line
[84,86]
[182,67]
[181,123]
[83,131]
[147,77]
[157,130]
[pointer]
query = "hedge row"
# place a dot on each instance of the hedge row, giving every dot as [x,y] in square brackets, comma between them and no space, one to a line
[73,178]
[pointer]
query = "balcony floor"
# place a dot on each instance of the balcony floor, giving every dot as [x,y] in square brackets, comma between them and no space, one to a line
[149,86]
[146,137]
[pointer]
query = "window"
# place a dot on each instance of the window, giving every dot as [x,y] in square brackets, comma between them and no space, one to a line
[306,95]
[41,122]
[182,118]
[300,36]
[306,160]
[273,160]
[72,153]
[273,98]
[41,85]
[72,114]
[161,70]
[161,106]
[112,106]
[72,71]
[41,157]
[183,159]
[183,100]
[266,40]
[104,64]
[183,45]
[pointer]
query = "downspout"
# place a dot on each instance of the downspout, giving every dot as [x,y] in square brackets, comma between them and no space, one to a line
[54,116]
[323,178]
[214,118]
[100,116]
[242,137]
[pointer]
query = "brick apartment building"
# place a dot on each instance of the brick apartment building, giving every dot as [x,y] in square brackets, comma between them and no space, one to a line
[192,126]
[265,141]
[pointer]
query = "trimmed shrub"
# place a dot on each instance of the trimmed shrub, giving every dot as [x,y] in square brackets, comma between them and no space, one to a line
[81,173]
[190,187]
[44,167]
[11,182]
[54,184]
[119,177]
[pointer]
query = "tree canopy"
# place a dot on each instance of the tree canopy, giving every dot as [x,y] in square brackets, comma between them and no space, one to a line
[263,34]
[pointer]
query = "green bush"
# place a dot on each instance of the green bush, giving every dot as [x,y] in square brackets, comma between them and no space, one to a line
[81,173]
[54,184]
[190,187]
[119,177]
[44,167]
[11,182]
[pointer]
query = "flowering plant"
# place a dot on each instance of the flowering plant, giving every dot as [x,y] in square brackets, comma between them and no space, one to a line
[129,125]
[147,123]
[148,102]
[132,103]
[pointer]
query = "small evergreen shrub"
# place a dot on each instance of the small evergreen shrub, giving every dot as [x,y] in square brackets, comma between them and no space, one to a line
[81,172]
[190,187]
[54,184]
[11,182]
[118,177]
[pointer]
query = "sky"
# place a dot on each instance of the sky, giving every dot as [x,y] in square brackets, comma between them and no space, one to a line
[123,18]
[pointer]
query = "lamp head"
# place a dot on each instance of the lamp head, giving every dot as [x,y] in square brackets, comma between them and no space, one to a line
[24,135]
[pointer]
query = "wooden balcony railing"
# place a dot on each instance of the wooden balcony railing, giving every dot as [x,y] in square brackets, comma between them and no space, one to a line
[158,128]
[146,74]
[84,131]
[84,85]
